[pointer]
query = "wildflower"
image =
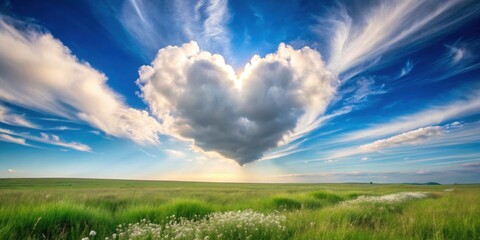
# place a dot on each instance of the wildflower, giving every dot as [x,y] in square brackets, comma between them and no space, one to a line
[85,238]
[390,198]
[92,233]
[235,224]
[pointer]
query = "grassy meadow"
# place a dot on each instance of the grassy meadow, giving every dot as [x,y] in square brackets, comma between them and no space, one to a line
[73,208]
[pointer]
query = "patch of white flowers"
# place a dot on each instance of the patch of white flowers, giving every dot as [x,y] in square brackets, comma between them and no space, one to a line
[390,198]
[91,234]
[246,224]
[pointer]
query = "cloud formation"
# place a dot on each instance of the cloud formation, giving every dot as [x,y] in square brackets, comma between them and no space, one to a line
[412,137]
[39,73]
[8,138]
[151,25]
[50,139]
[196,96]
[7,117]
[468,105]
[55,140]
[389,25]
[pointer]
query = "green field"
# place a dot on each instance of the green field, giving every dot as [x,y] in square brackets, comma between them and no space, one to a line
[72,208]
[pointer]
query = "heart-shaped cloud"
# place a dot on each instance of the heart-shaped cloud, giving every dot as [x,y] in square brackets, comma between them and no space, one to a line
[196,96]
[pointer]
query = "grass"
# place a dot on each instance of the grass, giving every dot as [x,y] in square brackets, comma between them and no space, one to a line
[71,208]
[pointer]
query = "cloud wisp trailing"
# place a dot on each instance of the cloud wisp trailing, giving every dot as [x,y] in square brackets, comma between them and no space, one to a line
[7,117]
[198,97]
[43,75]
[385,27]
[50,139]
[16,140]
[154,24]
[467,106]
[450,134]
[412,137]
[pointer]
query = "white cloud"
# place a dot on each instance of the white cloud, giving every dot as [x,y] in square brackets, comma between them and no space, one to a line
[365,158]
[94,132]
[147,153]
[471,164]
[406,69]
[453,125]
[8,138]
[196,96]
[55,140]
[154,24]
[7,135]
[412,137]
[11,170]
[175,153]
[206,23]
[39,73]
[214,25]
[469,105]
[284,151]
[63,128]
[456,53]
[364,88]
[386,27]
[13,119]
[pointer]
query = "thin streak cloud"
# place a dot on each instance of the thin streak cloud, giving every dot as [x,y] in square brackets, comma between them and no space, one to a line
[468,106]
[387,27]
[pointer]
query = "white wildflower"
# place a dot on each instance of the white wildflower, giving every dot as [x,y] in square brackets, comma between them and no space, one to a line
[390,198]
[234,224]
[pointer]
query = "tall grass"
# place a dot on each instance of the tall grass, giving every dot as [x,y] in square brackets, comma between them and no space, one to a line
[71,208]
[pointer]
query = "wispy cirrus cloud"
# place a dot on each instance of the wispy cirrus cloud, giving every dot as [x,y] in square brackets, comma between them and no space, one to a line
[361,91]
[406,69]
[465,106]
[16,140]
[43,75]
[7,117]
[151,25]
[387,26]
[411,137]
[445,136]
[461,56]
[457,173]
[55,140]
[206,23]
[50,139]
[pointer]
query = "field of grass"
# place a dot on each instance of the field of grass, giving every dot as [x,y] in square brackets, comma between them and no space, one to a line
[72,208]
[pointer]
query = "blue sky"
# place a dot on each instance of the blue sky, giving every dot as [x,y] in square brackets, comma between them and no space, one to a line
[250,91]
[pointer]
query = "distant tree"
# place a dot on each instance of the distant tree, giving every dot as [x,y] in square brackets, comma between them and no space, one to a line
[371,182]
